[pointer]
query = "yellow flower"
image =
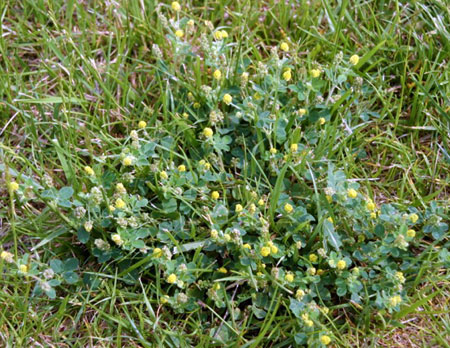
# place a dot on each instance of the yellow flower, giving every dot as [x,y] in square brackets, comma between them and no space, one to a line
[181,168]
[299,294]
[322,121]
[117,239]
[371,205]
[330,219]
[395,300]
[265,251]
[215,195]
[400,277]
[157,252]
[309,323]
[288,208]
[414,218]
[311,271]
[261,202]
[163,175]
[294,147]
[224,34]
[172,278]
[287,75]
[315,73]
[355,270]
[289,277]
[89,171]
[217,74]
[120,204]
[14,186]
[179,33]
[218,35]
[208,132]
[325,340]
[191,22]
[252,208]
[227,99]
[273,150]
[341,264]
[411,233]
[354,59]
[320,272]
[214,233]
[207,166]
[142,124]
[301,112]
[284,47]
[222,270]
[164,299]
[23,268]
[352,193]
[313,258]
[111,208]
[239,208]
[273,249]
[373,215]
[120,188]
[227,237]
[127,161]
[216,286]
[7,256]
[185,115]
[247,246]
[329,198]
[176,6]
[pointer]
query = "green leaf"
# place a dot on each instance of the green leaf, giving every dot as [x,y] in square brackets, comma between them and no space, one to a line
[332,237]
[70,277]
[65,193]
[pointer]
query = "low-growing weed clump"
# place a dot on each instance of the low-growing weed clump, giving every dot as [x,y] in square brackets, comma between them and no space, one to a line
[232,204]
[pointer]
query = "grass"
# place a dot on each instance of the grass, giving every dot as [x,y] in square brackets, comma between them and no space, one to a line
[76,76]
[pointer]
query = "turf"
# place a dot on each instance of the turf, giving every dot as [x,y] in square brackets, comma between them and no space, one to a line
[77,75]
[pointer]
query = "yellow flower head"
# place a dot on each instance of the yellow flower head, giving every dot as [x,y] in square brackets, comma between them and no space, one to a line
[261,202]
[341,264]
[171,279]
[315,73]
[23,268]
[301,112]
[322,121]
[120,188]
[247,246]
[14,186]
[224,34]
[299,294]
[288,208]
[218,35]
[289,277]
[120,204]
[325,340]
[214,233]
[176,6]
[157,252]
[309,323]
[373,215]
[163,175]
[411,233]
[117,239]
[181,168]
[217,74]
[89,171]
[414,218]
[400,277]
[127,161]
[208,132]
[294,147]
[239,208]
[179,33]
[227,99]
[215,195]
[313,258]
[287,75]
[330,219]
[142,124]
[185,115]
[164,299]
[273,150]
[265,251]
[354,59]
[284,47]
[222,270]
[273,249]
[7,256]
[395,300]
[191,22]
[371,205]
[227,237]
[352,193]
[311,271]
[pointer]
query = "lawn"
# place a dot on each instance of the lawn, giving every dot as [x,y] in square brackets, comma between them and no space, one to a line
[224,173]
